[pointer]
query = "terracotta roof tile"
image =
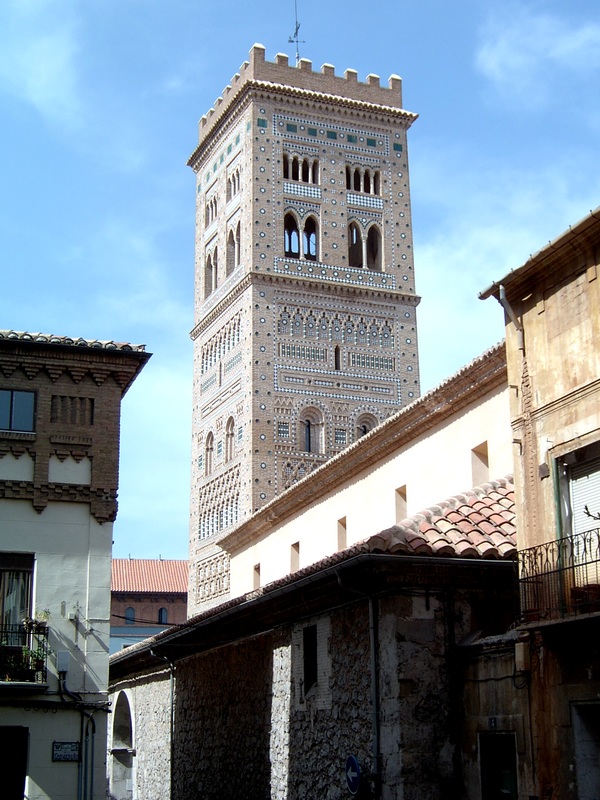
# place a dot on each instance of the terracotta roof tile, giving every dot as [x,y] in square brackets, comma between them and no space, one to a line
[476,524]
[149,575]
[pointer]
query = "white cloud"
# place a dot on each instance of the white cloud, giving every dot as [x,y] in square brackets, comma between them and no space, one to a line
[523,53]
[487,222]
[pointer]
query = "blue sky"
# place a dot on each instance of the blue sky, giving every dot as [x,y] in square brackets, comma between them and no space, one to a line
[100,101]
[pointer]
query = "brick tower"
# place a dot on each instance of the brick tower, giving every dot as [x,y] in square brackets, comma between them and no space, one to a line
[305,331]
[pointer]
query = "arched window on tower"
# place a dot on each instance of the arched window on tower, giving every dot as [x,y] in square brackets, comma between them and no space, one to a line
[374,248]
[364,424]
[162,616]
[291,237]
[129,615]
[310,239]
[208,277]
[229,439]
[231,253]
[355,246]
[311,430]
[208,453]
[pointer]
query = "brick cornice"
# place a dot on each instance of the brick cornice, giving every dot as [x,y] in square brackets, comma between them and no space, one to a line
[301,282]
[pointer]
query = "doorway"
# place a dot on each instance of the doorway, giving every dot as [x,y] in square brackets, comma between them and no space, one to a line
[14,742]
[498,764]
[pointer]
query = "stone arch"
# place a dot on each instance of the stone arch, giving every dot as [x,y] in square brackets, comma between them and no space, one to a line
[311,426]
[365,423]
[122,751]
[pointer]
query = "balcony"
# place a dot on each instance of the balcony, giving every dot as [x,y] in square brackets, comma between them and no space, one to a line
[24,654]
[560,579]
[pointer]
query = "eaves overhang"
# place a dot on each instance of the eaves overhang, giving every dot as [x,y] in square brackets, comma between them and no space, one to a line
[588,227]
[316,590]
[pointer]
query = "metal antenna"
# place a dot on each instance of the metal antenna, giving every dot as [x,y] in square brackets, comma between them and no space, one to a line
[294,39]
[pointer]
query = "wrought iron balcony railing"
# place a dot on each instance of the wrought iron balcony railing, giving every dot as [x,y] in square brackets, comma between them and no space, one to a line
[24,653]
[561,578]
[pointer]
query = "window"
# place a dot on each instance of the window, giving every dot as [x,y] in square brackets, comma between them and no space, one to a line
[129,615]
[256,577]
[480,464]
[295,557]
[342,534]
[229,440]
[303,170]
[374,248]
[311,430]
[310,239]
[364,424]
[579,475]
[291,237]
[355,246]
[17,410]
[162,616]
[208,454]
[401,506]
[16,570]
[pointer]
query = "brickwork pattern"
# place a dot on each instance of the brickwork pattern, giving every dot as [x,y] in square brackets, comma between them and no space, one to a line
[75,383]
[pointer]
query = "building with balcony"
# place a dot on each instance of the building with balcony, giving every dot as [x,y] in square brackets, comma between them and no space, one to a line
[60,402]
[540,726]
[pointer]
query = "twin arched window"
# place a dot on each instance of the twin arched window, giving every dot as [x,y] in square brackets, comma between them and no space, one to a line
[233,249]
[364,250]
[211,273]
[301,242]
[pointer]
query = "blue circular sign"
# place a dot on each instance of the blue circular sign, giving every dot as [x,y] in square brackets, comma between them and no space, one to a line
[352,774]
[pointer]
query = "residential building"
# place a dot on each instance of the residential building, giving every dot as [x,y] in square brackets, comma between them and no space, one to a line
[60,401]
[546,724]
[305,333]
[148,595]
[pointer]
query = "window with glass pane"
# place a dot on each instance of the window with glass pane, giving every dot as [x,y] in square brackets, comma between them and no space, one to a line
[17,410]
[16,570]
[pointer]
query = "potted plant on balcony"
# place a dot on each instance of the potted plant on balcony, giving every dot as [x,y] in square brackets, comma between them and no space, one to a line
[41,618]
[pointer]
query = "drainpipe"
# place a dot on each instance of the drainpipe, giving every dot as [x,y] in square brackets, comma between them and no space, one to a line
[512,316]
[375,773]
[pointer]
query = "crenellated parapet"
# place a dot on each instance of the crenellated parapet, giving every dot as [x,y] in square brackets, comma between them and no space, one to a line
[280,76]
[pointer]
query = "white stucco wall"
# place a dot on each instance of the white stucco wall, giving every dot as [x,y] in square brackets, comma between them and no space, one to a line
[432,467]
[71,578]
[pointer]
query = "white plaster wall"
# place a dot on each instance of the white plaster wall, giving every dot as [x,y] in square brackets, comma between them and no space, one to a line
[70,471]
[433,467]
[47,779]
[16,469]
[71,578]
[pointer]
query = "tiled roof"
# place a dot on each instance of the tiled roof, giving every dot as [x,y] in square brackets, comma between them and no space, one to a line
[149,575]
[49,338]
[477,524]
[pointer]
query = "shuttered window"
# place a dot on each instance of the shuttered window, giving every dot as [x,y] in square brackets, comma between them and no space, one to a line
[585,491]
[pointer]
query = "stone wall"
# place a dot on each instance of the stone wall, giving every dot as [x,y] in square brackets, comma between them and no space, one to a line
[149,698]
[248,725]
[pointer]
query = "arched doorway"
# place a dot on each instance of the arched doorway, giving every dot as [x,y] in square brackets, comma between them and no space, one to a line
[122,752]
